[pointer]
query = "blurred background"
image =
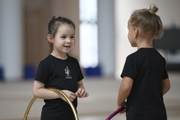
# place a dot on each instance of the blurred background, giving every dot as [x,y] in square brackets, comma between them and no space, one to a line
[101,46]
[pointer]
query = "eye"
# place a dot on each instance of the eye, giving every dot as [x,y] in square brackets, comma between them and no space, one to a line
[63,37]
[72,36]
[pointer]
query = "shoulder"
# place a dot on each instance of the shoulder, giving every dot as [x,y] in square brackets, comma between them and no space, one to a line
[46,60]
[132,55]
[132,59]
[161,57]
[72,58]
[160,54]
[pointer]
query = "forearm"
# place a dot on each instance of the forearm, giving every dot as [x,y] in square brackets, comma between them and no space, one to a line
[165,90]
[81,92]
[46,94]
[122,96]
[80,84]
[124,90]
[165,86]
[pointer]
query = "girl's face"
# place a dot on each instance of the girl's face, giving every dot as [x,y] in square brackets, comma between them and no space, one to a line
[64,39]
[131,35]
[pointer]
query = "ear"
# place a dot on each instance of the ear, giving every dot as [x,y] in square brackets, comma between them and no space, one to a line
[135,32]
[50,38]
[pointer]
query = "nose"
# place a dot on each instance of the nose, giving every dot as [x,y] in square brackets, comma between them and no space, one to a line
[68,40]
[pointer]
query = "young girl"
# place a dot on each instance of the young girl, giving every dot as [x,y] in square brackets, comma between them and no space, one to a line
[144,77]
[60,71]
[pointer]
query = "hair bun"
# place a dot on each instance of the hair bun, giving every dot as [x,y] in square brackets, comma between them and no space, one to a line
[153,9]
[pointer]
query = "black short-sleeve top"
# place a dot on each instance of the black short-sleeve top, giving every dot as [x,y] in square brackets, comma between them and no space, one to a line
[147,68]
[60,74]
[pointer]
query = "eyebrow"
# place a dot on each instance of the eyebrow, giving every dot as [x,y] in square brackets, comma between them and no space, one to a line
[66,34]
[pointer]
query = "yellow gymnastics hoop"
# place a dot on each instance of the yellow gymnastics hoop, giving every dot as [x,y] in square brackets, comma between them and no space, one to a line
[57,91]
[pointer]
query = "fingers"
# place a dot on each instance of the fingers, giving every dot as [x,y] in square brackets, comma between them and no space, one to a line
[70,95]
[123,109]
[81,93]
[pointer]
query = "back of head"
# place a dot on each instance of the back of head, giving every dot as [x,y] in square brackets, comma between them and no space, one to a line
[146,20]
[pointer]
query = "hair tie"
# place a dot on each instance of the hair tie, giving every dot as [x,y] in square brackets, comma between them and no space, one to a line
[55,16]
[153,9]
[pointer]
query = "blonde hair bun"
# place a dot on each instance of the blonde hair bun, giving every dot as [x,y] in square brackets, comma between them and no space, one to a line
[153,9]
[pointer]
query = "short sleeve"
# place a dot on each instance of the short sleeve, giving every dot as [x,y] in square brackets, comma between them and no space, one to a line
[42,73]
[165,75]
[130,67]
[80,76]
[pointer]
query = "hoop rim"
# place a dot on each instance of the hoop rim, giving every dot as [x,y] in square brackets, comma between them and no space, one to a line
[57,91]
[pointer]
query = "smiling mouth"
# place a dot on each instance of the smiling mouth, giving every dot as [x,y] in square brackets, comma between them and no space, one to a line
[67,46]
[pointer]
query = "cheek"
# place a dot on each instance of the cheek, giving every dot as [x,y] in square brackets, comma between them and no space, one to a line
[73,41]
[133,44]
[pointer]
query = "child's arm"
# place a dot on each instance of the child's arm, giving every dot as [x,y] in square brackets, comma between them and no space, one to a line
[40,92]
[81,90]
[165,86]
[124,90]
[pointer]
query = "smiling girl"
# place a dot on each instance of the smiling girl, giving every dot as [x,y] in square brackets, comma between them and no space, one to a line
[59,70]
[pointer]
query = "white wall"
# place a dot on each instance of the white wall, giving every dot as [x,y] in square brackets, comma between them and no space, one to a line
[106,37]
[11,35]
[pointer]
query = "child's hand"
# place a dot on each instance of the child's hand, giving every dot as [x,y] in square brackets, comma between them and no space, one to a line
[123,109]
[81,93]
[70,95]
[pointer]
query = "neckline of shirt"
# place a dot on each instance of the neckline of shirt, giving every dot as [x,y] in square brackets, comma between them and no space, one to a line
[59,58]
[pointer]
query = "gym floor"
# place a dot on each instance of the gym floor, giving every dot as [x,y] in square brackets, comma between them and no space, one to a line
[15,97]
